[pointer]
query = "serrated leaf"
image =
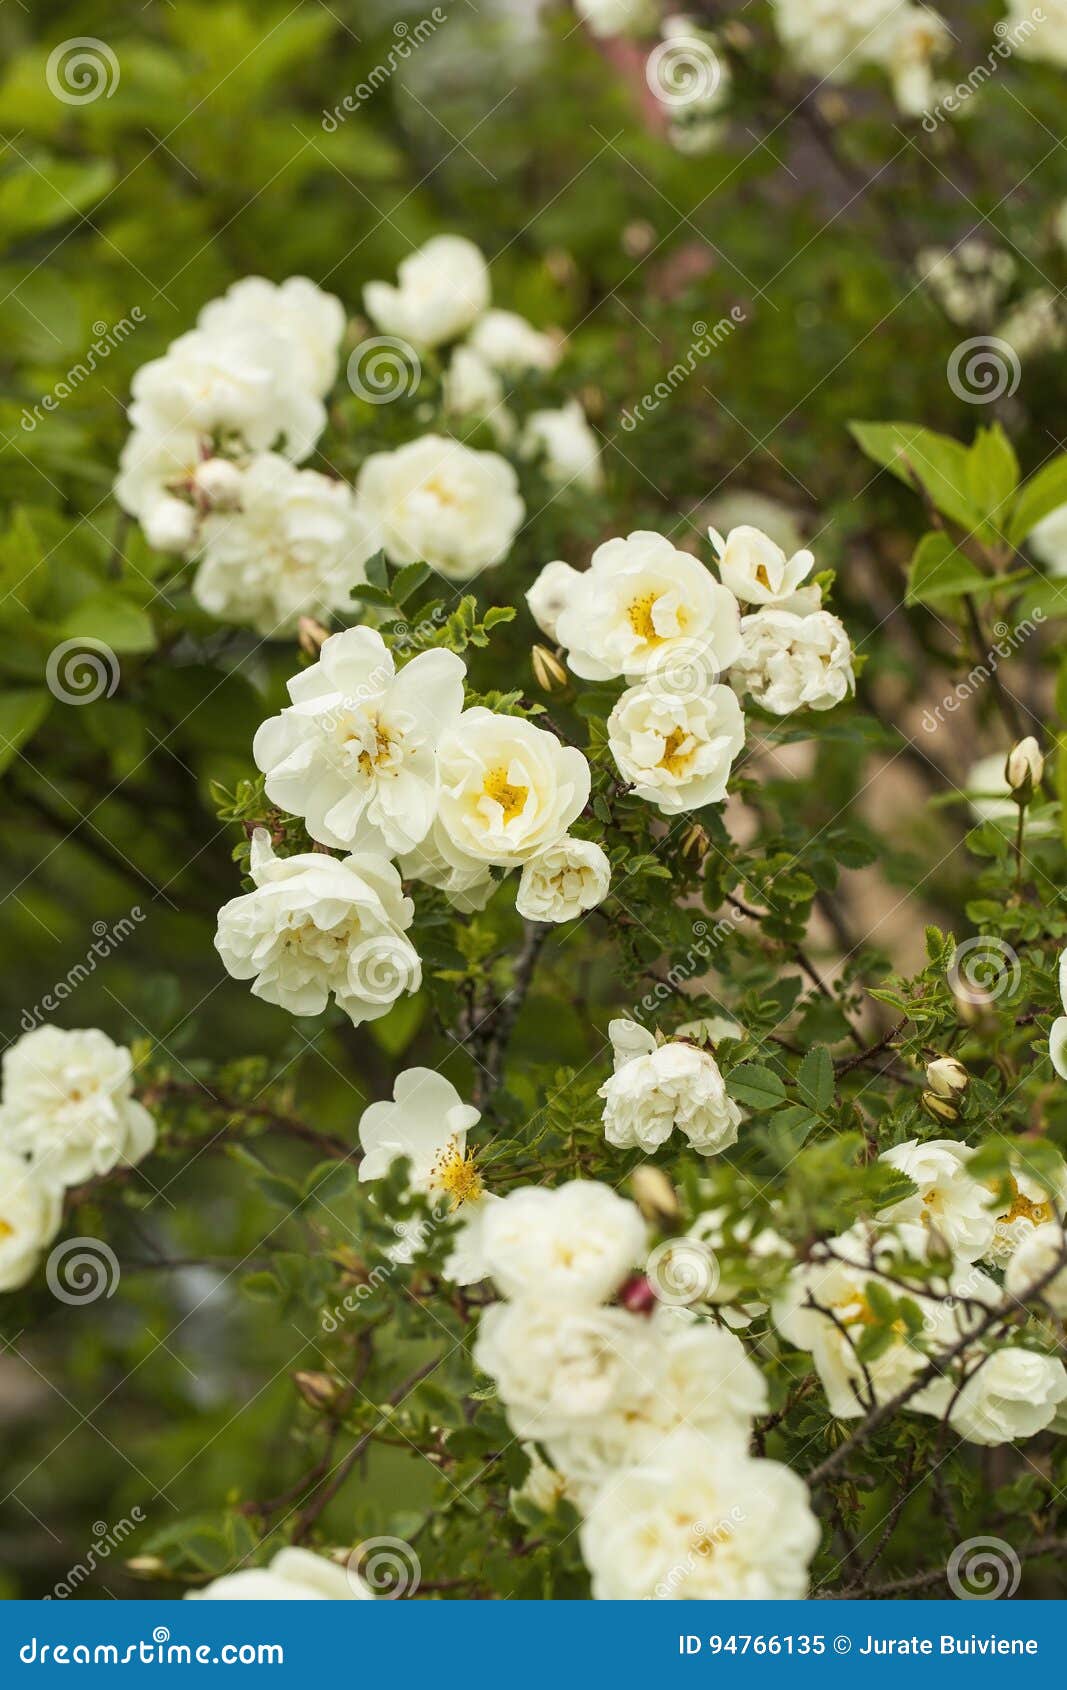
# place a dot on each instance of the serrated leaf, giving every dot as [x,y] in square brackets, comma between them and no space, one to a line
[755,1085]
[815,1079]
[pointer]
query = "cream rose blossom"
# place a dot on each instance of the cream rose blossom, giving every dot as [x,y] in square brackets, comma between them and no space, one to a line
[564,881]
[756,570]
[559,1367]
[573,1245]
[790,662]
[508,343]
[68,1105]
[675,749]
[659,1088]
[508,789]
[436,501]
[565,445]
[30,1214]
[440,291]
[294,1575]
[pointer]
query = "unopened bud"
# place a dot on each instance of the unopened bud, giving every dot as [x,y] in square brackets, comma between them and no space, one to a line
[1024,769]
[219,482]
[654,1194]
[147,1567]
[549,673]
[311,635]
[939,1108]
[637,1295]
[695,843]
[317,1389]
[946,1077]
[975,1011]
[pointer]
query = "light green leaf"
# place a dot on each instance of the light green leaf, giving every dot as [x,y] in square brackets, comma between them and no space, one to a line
[939,462]
[939,571]
[21,714]
[1043,493]
[114,619]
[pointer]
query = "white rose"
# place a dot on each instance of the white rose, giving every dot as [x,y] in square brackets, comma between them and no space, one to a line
[558,1367]
[560,883]
[919,37]
[1036,1255]
[676,750]
[950,1209]
[701,1518]
[508,790]
[548,596]
[565,443]
[702,1378]
[315,926]
[1046,29]
[1013,1393]
[574,1245]
[990,798]
[617,17]
[789,662]
[294,1575]
[219,482]
[472,388]
[30,1214]
[311,322]
[438,502]
[244,385]
[1035,325]
[69,1105]
[511,345]
[157,467]
[642,606]
[1057,1038]
[657,1088]
[756,570]
[1048,541]
[441,289]
[354,754]
[427,1122]
[169,524]
[296,546]
[1030,1205]
[467,882]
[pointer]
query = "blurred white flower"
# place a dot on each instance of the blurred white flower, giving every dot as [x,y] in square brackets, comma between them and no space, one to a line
[558,1367]
[507,789]
[835,39]
[561,882]
[790,662]
[294,1575]
[549,595]
[472,388]
[440,291]
[508,343]
[30,1215]
[427,1122]
[438,502]
[617,17]
[676,750]
[296,545]
[568,449]
[315,926]
[311,322]
[1045,36]
[701,1518]
[756,569]
[573,1245]
[1048,541]
[642,605]
[1035,1256]
[658,1088]
[1036,325]
[68,1105]
[354,754]
[1011,1394]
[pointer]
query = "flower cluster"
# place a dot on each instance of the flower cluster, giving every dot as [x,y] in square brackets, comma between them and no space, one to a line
[837,39]
[68,1115]
[645,1417]
[654,616]
[991,1393]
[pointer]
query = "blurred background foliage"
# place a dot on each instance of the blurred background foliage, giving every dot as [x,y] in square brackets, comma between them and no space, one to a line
[209,160]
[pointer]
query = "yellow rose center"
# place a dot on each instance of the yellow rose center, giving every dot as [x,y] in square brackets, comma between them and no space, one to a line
[1025,1208]
[640,614]
[512,799]
[762,577]
[455,1176]
[444,494]
[369,760]
[6,1231]
[674,759]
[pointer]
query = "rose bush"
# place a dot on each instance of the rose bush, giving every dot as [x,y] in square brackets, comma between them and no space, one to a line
[534,735]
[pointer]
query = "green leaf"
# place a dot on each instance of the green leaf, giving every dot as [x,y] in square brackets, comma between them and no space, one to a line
[409,580]
[757,1086]
[992,473]
[940,463]
[815,1079]
[114,620]
[1043,493]
[938,571]
[21,714]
